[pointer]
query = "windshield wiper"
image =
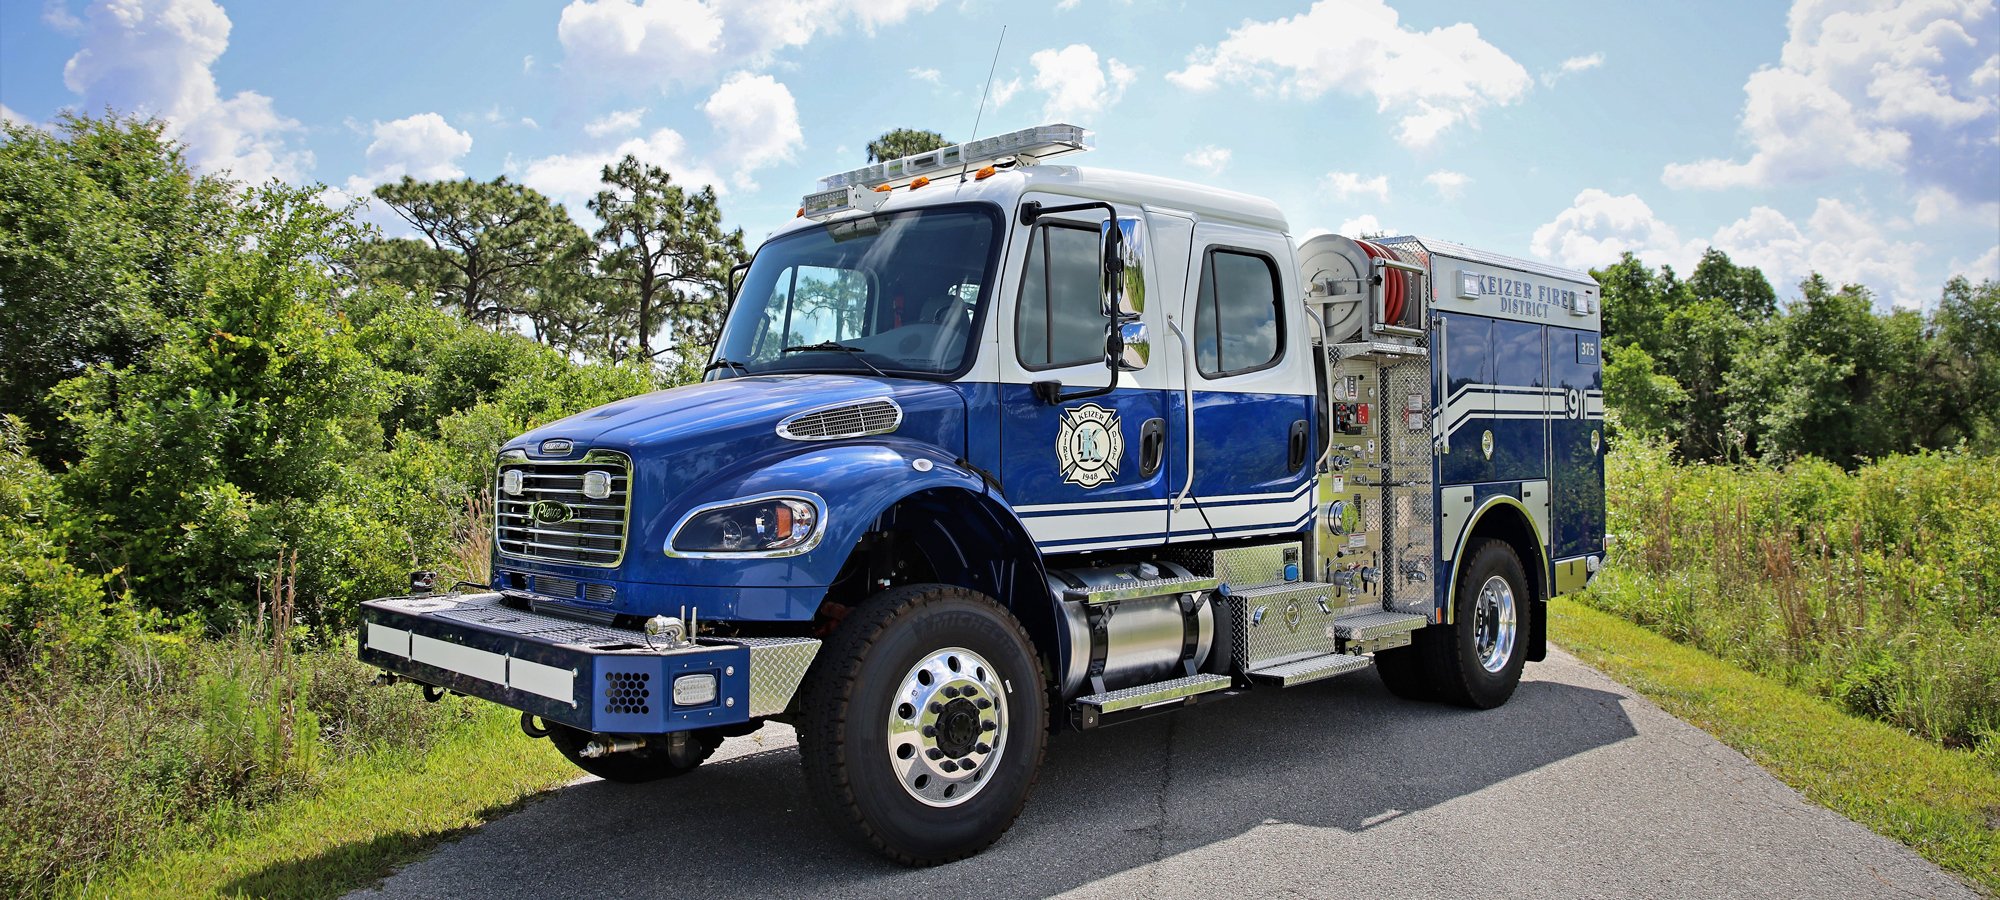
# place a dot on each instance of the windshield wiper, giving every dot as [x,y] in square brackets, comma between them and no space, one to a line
[856,352]
[730,363]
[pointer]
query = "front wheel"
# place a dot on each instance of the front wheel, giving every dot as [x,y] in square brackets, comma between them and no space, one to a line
[923,723]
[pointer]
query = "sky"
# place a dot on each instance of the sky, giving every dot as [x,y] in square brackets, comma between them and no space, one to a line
[1855,138]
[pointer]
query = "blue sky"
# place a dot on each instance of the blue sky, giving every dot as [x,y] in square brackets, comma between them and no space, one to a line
[1858,139]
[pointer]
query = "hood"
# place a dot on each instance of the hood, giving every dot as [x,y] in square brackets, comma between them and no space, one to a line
[682,435]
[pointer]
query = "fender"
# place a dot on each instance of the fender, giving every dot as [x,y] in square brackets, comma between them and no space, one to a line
[1540,564]
[856,480]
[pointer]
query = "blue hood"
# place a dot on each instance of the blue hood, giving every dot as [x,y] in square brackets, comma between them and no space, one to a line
[682,436]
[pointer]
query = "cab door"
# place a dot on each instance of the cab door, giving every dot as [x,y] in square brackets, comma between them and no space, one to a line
[1251,381]
[1086,473]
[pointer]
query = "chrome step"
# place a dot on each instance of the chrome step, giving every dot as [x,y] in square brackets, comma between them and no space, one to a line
[1377,624]
[1136,588]
[1310,669]
[1144,695]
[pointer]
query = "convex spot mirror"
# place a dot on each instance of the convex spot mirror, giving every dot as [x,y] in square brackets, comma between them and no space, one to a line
[1124,256]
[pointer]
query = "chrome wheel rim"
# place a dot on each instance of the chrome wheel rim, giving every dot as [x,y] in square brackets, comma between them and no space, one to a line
[947,727]
[1494,624]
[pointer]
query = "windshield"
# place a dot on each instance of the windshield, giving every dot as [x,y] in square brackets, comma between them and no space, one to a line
[901,292]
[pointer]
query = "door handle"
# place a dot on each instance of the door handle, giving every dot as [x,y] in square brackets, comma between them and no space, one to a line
[1152,446]
[1297,447]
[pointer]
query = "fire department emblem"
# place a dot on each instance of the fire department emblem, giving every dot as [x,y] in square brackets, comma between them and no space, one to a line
[1089,445]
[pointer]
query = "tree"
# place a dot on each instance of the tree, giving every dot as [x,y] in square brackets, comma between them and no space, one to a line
[1636,302]
[488,243]
[904,142]
[1743,288]
[102,223]
[663,247]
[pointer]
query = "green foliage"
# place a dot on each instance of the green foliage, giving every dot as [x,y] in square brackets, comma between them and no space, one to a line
[904,142]
[1825,376]
[487,246]
[1879,590]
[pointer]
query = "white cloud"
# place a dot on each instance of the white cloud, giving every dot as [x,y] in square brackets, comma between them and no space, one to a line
[11,117]
[658,43]
[1004,91]
[617,121]
[758,121]
[1986,267]
[1572,66]
[1450,185]
[56,15]
[1210,159]
[527,63]
[931,75]
[1844,244]
[1362,226]
[573,178]
[1078,87]
[1597,227]
[1431,80]
[422,146]
[153,57]
[1348,185]
[1877,86]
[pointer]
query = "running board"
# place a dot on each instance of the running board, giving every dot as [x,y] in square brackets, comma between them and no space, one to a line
[1144,699]
[1310,669]
[1136,589]
[1380,624]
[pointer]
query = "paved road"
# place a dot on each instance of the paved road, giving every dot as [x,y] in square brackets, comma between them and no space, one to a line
[1576,788]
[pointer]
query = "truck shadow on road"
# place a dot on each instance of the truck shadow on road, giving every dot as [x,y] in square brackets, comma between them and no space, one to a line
[1340,755]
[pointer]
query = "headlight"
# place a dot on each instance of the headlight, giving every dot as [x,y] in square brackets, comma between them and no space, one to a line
[762,525]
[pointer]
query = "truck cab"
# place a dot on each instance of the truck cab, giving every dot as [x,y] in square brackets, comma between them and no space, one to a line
[992,444]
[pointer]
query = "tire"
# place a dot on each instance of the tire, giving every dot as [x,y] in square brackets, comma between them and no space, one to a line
[1476,660]
[664,756]
[883,746]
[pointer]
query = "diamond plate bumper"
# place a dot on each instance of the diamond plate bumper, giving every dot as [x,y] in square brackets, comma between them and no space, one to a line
[586,676]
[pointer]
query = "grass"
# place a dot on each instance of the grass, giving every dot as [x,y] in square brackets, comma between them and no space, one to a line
[387,809]
[1942,803]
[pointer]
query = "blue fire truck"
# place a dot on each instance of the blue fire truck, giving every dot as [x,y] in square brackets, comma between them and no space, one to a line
[991,445]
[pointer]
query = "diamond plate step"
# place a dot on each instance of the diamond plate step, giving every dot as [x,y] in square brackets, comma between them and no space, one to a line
[1377,623]
[1310,669]
[1136,588]
[1143,695]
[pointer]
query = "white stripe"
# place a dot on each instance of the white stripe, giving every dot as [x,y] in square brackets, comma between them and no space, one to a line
[1103,505]
[481,664]
[1070,528]
[393,641]
[1257,514]
[548,681]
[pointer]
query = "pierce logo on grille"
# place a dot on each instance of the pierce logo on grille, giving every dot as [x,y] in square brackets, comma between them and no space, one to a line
[557,447]
[551,512]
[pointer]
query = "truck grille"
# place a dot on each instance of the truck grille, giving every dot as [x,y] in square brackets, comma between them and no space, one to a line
[550,517]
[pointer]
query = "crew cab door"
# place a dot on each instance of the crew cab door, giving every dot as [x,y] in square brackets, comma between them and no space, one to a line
[1251,380]
[1089,473]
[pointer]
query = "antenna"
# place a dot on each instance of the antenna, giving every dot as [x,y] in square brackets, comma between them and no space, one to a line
[990,69]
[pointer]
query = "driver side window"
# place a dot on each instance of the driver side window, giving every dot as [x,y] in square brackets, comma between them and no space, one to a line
[1059,320]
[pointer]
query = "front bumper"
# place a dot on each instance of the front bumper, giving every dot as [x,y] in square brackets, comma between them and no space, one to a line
[600,679]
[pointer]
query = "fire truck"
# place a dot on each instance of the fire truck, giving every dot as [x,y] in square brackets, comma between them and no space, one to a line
[993,446]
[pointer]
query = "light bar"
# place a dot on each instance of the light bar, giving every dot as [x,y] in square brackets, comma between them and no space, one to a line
[841,199]
[1027,146]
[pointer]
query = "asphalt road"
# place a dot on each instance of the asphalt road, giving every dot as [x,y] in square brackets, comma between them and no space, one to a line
[1576,788]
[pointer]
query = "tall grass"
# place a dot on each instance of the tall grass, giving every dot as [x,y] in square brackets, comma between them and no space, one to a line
[1878,589]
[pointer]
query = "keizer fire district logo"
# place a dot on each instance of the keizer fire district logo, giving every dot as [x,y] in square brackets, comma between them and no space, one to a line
[1089,445]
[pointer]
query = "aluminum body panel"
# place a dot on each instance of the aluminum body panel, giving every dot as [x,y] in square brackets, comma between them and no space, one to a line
[1282,623]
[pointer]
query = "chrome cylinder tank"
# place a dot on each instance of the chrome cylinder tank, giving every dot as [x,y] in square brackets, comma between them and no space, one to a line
[1142,640]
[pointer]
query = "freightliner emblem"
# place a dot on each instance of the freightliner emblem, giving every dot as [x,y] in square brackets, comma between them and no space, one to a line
[1089,445]
[550,512]
[556,447]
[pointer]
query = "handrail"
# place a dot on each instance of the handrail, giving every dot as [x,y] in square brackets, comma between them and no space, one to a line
[1187,400]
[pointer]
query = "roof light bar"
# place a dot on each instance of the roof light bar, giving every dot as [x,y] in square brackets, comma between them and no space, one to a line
[1027,146]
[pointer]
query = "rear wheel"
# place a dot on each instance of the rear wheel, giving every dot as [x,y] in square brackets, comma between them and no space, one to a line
[661,756]
[1476,660]
[923,723]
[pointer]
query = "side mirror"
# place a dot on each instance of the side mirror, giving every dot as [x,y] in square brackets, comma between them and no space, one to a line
[1127,347]
[1124,256]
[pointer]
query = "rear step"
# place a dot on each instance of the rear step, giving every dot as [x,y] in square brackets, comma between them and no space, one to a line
[1371,625]
[1136,589]
[1310,669]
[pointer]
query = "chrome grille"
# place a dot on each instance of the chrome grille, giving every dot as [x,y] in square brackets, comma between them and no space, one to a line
[559,588]
[878,416]
[551,519]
